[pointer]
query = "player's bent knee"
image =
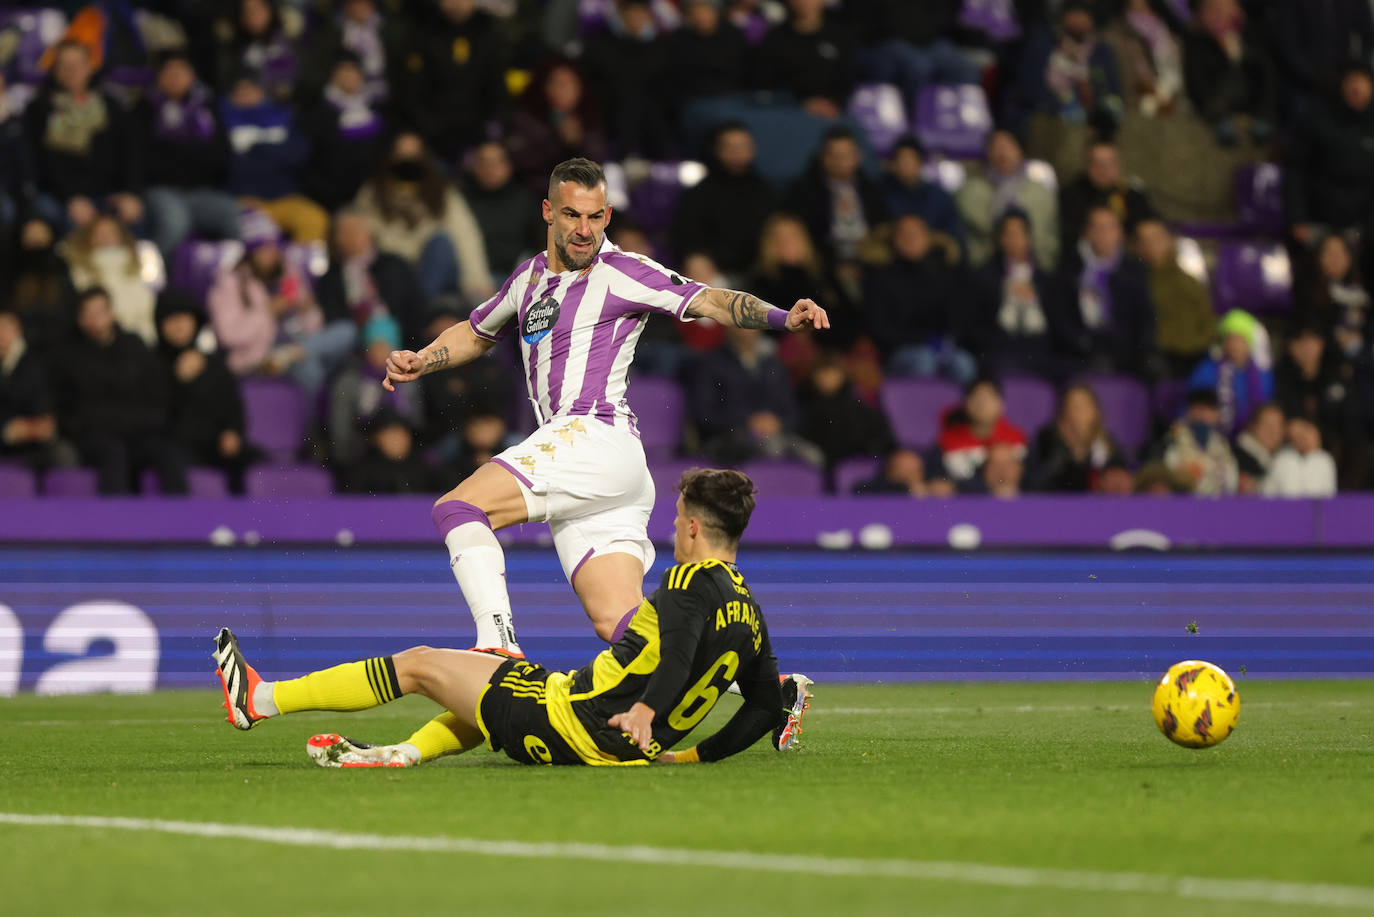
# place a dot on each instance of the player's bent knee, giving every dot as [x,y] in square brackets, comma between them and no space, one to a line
[414,669]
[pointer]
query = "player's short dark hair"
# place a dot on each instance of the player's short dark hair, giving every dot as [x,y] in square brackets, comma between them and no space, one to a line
[722,498]
[580,171]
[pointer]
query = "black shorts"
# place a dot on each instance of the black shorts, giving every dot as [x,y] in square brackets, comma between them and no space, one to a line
[515,719]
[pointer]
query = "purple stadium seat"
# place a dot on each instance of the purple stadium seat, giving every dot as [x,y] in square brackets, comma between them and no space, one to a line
[878,109]
[1254,276]
[913,408]
[17,481]
[953,120]
[854,471]
[783,479]
[275,410]
[1125,409]
[288,481]
[196,264]
[1030,402]
[1259,198]
[70,482]
[994,18]
[1170,395]
[658,405]
[200,482]
[35,30]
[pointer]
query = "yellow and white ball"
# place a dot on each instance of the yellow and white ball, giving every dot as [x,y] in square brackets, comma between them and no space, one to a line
[1196,704]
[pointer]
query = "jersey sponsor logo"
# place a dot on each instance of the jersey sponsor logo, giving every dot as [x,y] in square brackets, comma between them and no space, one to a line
[539,321]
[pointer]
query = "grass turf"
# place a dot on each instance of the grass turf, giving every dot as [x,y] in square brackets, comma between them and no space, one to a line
[1067,776]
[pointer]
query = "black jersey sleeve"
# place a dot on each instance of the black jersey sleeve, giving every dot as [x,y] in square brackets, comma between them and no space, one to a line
[759,715]
[682,615]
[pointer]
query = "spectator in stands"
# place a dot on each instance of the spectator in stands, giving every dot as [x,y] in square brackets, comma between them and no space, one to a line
[355,395]
[1112,328]
[1003,471]
[905,190]
[1302,468]
[1101,184]
[392,465]
[112,402]
[1313,42]
[1184,318]
[833,417]
[42,292]
[28,423]
[1335,298]
[743,405]
[1328,179]
[1115,480]
[1256,447]
[970,430]
[17,177]
[1195,449]
[904,473]
[364,281]
[505,209]
[115,35]
[1231,371]
[418,216]
[347,134]
[1159,480]
[1003,185]
[709,47]
[261,37]
[465,408]
[750,18]
[723,214]
[838,202]
[187,158]
[268,154]
[103,253]
[789,267]
[206,408]
[1314,381]
[909,44]
[380,42]
[1016,319]
[555,120]
[460,84]
[83,147]
[1228,72]
[1150,55]
[811,56]
[1071,453]
[915,308]
[626,69]
[1070,74]
[265,316]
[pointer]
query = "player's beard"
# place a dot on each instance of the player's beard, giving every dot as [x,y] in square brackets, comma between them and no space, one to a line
[571,262]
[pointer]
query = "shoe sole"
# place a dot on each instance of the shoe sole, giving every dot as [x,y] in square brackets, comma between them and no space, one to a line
[791,733]
[326,749]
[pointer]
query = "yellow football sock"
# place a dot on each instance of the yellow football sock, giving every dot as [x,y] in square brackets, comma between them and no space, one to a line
[351,686]
[438,737]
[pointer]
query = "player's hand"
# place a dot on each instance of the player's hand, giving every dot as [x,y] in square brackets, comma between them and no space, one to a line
[637,723]
[402,366]
[806,314]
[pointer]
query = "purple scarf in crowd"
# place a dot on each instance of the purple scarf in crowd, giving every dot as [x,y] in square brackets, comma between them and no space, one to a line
[1094,286]
[186,120]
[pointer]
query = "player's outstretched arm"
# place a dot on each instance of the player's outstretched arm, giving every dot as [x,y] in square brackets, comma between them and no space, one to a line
[454,347]
[745,310]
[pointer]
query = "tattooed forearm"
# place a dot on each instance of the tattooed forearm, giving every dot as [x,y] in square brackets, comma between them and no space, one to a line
[436,359]
[747,311]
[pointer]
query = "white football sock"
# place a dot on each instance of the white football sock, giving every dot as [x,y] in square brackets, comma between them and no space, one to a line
[479,566]
[263,702]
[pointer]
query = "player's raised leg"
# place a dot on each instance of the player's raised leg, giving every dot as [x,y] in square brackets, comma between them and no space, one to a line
[467,518]
[610,587]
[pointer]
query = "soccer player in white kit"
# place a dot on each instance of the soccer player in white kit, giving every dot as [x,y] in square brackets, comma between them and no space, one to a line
[579,308]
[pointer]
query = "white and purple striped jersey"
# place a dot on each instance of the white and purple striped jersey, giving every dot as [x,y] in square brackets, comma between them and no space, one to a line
[578,329]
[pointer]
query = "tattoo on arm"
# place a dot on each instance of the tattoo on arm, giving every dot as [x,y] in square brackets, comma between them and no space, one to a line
[746,311]
[436,359]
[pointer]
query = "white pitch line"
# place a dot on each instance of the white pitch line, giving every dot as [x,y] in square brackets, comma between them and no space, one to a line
[1302,894]
[1042,708]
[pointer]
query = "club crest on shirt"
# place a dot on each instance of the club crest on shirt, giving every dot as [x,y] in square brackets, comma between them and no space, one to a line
[539,320]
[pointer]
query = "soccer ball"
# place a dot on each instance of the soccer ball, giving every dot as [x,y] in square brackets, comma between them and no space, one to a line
[1196,704]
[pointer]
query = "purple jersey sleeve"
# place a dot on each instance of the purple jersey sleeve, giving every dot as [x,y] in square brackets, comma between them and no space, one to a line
[651,285]
[492,319]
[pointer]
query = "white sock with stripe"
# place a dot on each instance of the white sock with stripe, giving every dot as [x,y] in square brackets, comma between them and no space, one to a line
[479,566]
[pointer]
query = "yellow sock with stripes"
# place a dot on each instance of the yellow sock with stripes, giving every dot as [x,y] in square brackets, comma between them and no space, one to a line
[438,737]
[351,686]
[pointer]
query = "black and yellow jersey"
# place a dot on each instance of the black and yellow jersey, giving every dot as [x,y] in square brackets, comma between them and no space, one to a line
[698,632]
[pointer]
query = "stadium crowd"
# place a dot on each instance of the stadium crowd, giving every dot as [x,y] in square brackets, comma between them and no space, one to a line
[362,173]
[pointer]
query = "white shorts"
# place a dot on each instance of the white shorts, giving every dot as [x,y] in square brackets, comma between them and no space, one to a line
[590,482]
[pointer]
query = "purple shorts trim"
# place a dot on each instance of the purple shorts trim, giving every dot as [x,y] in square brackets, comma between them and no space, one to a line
[623,626]
[518,476]
[450,514]
[585,557]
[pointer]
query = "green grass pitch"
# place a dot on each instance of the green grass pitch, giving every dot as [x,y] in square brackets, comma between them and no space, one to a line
[1065,781]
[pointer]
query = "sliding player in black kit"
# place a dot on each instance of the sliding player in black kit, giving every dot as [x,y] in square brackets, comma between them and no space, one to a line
[700,631]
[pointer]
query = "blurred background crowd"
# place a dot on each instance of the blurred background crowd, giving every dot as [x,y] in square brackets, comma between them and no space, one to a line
[1071,246]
